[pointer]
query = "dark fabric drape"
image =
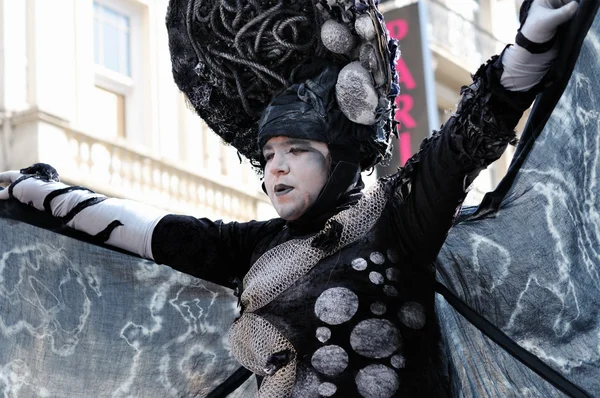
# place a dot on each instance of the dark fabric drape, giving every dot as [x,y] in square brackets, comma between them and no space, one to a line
[81,320]
[528,259]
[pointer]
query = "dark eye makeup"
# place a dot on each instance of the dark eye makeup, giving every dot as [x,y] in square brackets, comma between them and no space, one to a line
[298,149]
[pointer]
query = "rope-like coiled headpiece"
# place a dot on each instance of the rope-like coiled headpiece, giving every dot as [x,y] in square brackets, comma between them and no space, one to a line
[232,57]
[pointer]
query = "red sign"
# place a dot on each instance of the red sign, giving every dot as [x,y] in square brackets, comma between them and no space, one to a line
[404,24]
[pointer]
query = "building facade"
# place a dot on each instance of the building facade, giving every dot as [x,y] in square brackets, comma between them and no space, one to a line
[463,34]
[86,85]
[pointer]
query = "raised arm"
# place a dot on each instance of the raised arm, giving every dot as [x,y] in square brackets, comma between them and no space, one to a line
[433,183]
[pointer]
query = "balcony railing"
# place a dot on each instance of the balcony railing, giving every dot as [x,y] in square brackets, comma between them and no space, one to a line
[120,170]
[453,36]
[458,39]
[135,175]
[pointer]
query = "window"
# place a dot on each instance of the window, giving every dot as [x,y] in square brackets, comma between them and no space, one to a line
[119,81]
[112,39]
[110,119]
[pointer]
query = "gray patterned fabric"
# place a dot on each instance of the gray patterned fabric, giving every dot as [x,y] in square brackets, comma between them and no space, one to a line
[532,267]
[79,320]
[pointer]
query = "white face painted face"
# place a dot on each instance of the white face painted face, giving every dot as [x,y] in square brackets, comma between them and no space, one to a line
[295,173]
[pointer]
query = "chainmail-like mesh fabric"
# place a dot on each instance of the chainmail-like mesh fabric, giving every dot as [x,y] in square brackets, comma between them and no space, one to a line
[278,269]
[253,341]
[281,384]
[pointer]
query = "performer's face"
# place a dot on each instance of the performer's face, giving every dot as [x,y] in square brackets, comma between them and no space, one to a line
[295,174]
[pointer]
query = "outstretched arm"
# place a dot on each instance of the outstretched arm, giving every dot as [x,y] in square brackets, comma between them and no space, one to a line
[211,250]
[121,223]
[434,182]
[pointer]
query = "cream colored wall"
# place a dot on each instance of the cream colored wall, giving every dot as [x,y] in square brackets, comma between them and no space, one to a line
[47,80]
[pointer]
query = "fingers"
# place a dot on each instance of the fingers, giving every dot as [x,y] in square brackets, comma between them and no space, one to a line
[558,3]
[8,177]
[564,13]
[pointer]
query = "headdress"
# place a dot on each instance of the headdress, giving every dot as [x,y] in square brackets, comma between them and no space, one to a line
[231,58]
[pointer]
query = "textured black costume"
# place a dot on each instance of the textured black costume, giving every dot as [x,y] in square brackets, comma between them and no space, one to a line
[340,301]
[342,305]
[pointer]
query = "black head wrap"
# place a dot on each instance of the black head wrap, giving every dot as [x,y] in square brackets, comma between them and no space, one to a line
[308,109]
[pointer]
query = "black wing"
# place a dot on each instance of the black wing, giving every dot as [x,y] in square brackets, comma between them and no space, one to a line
[81,320]
[524,267]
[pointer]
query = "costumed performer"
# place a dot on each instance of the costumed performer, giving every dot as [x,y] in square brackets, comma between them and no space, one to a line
[336,295]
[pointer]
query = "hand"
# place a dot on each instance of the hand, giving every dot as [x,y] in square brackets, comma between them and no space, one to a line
[545,16]
[525,64]
[31,185]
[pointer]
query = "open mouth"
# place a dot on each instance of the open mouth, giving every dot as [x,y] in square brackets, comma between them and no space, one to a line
[282,189]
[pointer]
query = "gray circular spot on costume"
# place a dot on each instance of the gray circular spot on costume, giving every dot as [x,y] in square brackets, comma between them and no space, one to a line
[323,334]
[398,361]
[359,264]
[377,258]
[364,27]
[377,381]
[330,360]
[375,338]
[412,315]
[336,37]
[327,389]
[393,255]
[307,383]
[392,274]
[356,95]
[336,305]
[390,290]
[378,308]
[376,278]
